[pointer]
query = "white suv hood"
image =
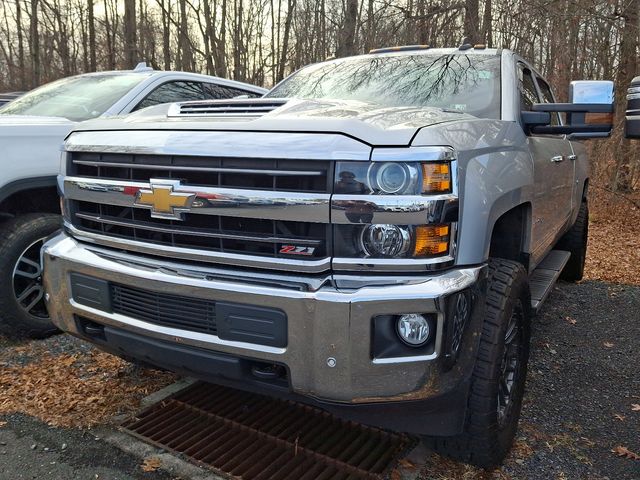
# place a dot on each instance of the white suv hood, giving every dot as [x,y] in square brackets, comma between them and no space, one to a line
[30,146]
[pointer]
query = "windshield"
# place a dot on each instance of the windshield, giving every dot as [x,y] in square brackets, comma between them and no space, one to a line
[464,83]
[76,98]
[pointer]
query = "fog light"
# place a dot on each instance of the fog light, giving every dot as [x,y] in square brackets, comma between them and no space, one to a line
[413,329]
[382,240]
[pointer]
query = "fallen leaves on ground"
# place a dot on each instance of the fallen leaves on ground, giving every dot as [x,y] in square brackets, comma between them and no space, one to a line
[623,451]
[76,389]
[635,407]
[441,468]
[613,253]
[608,344]
[151,464]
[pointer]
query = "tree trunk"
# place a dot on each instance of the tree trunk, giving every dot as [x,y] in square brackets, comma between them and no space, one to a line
[34,41]
[285,39]
[621,179]
[346,35]
[21,66]
[130,40]
[487,26]
[93,64]
[472,21]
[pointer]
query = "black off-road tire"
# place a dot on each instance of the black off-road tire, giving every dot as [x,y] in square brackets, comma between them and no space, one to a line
[16,235]
[575,242]
[488,435]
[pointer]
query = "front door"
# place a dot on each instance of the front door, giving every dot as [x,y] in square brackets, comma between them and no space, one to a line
[553,172]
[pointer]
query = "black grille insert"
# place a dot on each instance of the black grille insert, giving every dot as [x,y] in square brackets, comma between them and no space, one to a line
[185,313]
[246,173]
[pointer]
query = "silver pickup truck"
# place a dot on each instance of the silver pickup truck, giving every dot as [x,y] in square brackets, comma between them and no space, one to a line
[372,237]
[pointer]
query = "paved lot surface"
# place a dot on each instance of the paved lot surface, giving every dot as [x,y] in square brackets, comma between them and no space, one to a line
[579,406]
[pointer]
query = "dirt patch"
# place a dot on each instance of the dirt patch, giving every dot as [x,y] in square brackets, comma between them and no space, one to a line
[65,382]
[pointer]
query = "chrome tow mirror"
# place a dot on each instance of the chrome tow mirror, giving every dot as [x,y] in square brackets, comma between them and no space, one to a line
[590,113]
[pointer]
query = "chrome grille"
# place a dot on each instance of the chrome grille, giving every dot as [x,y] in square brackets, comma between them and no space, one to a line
[220,227]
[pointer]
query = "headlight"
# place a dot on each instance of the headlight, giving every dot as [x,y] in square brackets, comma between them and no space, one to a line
[392,241]
[385,240]
[393,178]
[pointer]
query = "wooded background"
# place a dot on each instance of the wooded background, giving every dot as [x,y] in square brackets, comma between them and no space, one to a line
[262,41]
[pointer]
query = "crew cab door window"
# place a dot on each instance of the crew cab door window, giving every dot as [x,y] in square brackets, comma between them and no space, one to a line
[528,92]
[215,91]
[547,97]
[177,91]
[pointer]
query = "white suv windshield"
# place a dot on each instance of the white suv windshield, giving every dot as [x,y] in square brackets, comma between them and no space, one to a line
[465,83]
[76,98]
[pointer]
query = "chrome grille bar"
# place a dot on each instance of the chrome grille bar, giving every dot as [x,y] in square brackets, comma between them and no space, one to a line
[200,255]
[195,232]
[259,204]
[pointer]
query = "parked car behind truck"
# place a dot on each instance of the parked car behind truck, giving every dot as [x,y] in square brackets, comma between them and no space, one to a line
[32,129]
[372,237]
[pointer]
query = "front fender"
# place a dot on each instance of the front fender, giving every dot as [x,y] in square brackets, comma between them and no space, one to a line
[495,175]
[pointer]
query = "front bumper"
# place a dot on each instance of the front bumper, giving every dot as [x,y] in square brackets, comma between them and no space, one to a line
[332,318]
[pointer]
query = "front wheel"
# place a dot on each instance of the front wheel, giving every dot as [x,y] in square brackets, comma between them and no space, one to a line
[497,384]
[22,307]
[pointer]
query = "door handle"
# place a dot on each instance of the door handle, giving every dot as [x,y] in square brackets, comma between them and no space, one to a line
[557,158]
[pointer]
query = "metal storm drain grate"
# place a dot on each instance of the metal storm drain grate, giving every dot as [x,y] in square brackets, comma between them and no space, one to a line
[251,436]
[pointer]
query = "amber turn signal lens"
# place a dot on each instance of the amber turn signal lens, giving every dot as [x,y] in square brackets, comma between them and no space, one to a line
[436,178]
[431,240]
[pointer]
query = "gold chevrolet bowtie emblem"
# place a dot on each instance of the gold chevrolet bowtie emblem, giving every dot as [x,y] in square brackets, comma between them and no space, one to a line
[164,201]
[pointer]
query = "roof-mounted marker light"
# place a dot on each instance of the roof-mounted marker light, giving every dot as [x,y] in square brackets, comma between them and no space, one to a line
[142,67]
[402,48]
[479,46]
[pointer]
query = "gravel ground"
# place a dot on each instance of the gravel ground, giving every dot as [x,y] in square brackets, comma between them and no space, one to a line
[581,389]
[583,381]
[31,450]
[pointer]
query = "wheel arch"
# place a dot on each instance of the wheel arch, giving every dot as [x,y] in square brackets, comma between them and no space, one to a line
[29,195]
[511,235]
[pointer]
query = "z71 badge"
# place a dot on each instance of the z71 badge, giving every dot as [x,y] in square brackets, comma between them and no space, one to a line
[296,250]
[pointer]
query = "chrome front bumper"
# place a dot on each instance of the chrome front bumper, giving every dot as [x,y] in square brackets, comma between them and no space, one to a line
[332,319]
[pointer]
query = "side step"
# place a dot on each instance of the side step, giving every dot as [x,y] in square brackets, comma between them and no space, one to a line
[543,278]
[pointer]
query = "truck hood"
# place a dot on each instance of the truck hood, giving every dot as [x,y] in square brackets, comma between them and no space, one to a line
[368,122]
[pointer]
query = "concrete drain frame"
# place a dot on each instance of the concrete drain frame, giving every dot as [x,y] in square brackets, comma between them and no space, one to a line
[250,436]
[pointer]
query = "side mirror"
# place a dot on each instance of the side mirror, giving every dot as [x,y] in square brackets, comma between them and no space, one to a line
[632,120]
[590,113]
